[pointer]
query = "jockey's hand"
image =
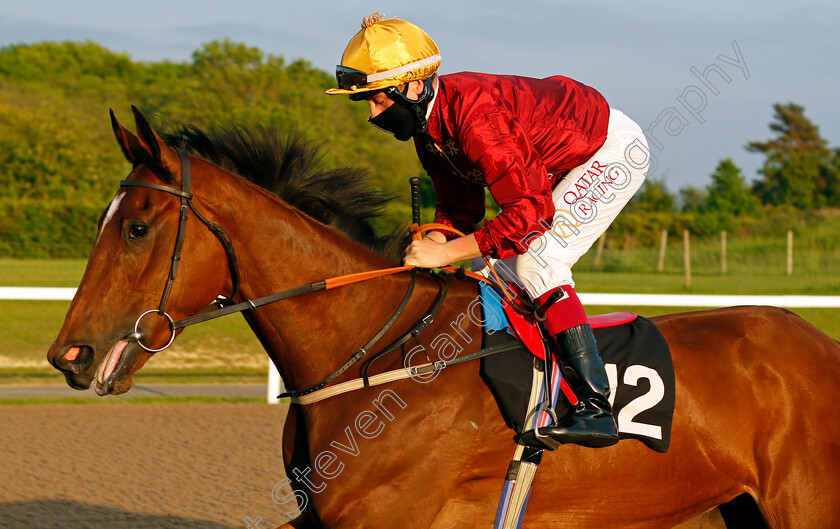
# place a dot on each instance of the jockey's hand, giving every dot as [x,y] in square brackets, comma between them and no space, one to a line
[433,252]
[426,253]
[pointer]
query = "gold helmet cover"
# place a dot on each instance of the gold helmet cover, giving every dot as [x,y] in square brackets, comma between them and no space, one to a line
[386,52]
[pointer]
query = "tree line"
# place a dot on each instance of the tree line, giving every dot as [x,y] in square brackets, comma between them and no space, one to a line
[800,174]
[59,165]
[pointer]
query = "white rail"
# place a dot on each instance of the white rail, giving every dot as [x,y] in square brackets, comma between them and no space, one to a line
[608,299]
[37,293]
[275,384]
[709,300]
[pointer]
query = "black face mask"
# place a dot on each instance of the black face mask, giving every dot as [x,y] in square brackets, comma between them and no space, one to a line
[396,120]
[405,117]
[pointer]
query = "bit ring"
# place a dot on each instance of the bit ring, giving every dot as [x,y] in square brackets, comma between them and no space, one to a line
[136,335]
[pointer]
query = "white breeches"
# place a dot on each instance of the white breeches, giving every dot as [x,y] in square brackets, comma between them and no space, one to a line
[586,202]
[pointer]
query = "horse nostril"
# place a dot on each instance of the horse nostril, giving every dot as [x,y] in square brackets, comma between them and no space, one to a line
[78,358]
[72,353]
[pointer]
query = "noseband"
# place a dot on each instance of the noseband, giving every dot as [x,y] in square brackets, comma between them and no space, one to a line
[185,194]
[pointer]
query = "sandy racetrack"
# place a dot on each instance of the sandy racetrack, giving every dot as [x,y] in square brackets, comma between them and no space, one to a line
[186,465]
[144,466]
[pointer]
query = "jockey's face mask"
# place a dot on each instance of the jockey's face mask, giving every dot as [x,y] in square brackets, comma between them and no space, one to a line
[406,117]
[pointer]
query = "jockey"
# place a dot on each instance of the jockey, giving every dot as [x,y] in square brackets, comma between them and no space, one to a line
[557,159]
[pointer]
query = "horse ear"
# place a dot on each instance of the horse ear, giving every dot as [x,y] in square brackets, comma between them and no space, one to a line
[161,153]
[130,145]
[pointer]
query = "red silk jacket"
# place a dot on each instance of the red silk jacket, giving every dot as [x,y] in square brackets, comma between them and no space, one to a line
[516,135]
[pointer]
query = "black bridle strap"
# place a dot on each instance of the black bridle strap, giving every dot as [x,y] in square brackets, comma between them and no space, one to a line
[227,244]
[185,193]
[513,344]
[184,214]
[361,352]
[425,321]
[250,304]
[158,187]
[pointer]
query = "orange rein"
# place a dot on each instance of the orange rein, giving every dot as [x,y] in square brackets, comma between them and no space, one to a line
[417,233]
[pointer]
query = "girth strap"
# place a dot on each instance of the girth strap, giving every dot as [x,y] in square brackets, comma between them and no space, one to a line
[399,374]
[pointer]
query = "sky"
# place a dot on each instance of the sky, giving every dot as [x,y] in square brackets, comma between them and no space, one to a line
[647,57]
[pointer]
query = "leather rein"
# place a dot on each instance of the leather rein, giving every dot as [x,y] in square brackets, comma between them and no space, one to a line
[225,306]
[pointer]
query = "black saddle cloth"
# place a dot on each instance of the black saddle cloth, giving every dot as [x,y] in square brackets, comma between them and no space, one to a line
[638,363]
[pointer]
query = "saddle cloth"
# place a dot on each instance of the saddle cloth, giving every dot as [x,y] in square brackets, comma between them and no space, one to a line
[638,364]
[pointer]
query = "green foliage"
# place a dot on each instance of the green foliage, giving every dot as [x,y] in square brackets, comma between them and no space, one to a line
[728,204]
[653,197]
[756,257]
[691,198]
[65,62]
[59,163]
[650,211]
[830,174]
[797,170]
[634,229]
[47,228]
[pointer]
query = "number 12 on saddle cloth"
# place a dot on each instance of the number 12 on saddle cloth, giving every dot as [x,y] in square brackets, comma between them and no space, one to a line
[636,357]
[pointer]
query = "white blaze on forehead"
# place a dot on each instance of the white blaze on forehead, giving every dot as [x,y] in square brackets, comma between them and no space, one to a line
[115,204]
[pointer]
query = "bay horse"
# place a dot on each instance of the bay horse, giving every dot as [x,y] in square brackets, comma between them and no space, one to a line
[757,387]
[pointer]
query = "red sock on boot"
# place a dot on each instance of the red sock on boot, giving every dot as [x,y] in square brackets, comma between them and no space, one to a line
[565,313]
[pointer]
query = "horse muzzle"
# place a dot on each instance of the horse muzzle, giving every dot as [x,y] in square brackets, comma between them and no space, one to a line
[75,362]
[109,373]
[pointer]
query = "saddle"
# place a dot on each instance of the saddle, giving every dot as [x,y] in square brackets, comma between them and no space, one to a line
[636,357]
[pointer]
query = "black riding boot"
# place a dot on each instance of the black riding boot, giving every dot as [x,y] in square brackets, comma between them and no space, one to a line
[591,423]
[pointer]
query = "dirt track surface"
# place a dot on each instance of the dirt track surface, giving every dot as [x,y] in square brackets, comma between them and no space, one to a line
[192,465]
[144,466]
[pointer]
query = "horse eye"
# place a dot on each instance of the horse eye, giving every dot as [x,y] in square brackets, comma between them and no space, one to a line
[138,231]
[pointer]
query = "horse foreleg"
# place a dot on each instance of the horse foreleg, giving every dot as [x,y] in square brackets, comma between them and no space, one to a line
[810,502]
[296,454]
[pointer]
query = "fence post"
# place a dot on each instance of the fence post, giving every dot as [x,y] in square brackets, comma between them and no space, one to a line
[662,244]
[275,384]
[687,259]
[790,252]
[723,252]
[600,250]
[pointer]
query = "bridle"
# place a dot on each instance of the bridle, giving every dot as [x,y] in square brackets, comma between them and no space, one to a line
[219,309]
[185,194]
[225,306]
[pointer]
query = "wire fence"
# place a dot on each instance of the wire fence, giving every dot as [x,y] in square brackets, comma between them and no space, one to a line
[788,261]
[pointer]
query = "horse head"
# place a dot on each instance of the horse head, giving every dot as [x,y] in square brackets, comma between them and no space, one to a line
[104,340]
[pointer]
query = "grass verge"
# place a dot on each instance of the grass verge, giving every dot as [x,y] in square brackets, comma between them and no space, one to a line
[135,400]
[826,320]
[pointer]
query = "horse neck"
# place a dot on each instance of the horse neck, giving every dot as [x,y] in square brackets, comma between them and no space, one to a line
[278,247]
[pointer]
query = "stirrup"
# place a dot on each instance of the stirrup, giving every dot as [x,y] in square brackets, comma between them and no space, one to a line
[542,441]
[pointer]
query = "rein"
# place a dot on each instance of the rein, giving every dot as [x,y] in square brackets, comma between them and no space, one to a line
[223,307]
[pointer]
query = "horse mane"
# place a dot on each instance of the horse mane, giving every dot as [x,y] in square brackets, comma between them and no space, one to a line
[285,164]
